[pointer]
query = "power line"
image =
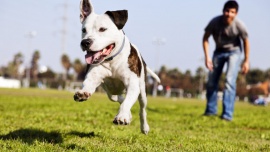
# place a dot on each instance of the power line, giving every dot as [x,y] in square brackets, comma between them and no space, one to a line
[64,31]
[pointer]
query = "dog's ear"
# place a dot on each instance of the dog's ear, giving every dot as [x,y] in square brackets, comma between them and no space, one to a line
[86,9]
[118,17]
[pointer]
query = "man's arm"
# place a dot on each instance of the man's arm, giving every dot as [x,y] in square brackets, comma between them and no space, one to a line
[245,64]
[208,60]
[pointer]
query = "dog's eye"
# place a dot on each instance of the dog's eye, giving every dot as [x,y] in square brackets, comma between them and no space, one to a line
[84,30]
[102,29]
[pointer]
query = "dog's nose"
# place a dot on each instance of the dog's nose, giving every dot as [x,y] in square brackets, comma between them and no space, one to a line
[86,43]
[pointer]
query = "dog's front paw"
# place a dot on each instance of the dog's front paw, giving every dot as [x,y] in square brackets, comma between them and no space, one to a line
[81,96]
[123,118]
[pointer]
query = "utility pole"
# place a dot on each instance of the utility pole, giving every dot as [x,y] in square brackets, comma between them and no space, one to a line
[30,35]
[64,32]
[157,42]
[64,28]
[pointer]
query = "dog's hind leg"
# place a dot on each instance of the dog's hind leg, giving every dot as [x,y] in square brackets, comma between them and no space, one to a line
[143,103]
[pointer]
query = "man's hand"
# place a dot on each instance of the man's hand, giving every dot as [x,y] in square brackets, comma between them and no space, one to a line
[209,64]
[245,67]
[208,60]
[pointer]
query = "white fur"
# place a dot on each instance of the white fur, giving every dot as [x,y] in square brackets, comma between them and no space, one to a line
[114,76]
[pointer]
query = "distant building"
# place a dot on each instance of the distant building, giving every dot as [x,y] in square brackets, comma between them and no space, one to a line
[9,83]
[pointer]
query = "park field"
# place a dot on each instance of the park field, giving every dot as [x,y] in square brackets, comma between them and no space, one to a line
[49,120]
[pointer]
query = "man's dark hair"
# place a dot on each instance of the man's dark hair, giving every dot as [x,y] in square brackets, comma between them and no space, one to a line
[231,4]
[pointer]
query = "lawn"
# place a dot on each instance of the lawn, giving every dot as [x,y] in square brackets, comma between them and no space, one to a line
[49,120]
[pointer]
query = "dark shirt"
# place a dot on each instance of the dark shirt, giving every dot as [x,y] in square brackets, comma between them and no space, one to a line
[227,37]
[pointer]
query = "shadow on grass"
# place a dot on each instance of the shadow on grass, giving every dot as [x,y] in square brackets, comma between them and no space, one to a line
[161,110]
[83,135]
[30,135]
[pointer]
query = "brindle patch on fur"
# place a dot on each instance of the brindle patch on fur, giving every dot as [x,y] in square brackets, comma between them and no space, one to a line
[134,61]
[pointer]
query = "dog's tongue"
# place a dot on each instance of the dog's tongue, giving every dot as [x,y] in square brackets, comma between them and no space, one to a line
[90,57]
[108,49]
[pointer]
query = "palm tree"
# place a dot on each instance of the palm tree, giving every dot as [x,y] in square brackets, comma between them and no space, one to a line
[78,67]
[66,64]
[13,67]
[34,64]
[18,60]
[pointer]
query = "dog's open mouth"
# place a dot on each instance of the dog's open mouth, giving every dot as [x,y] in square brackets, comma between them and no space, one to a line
[96,57]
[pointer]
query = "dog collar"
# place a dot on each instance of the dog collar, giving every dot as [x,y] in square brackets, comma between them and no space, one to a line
[120,50]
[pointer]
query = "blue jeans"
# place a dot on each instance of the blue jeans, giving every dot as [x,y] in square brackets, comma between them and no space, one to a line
[233,60]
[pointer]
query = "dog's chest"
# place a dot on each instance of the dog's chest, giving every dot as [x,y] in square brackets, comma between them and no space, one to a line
[114,85]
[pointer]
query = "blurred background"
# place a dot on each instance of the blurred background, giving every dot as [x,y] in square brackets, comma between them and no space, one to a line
[40,42]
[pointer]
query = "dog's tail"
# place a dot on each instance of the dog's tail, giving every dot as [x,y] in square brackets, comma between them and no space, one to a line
[153,74]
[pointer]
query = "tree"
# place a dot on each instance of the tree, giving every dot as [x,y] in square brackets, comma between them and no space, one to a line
[34,65]
[19,61]
[49,74]
[199,79]
[79,68]
[163,75]
[66,64]
[13,67]
[187,82]
[174,73]
[267,74]
[255,76]
[174,76]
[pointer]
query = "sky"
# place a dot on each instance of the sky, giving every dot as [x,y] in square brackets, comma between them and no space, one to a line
[178,24]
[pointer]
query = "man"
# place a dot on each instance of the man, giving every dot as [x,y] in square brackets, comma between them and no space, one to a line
[227,31]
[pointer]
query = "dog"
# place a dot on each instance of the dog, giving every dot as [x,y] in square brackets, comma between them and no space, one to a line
[115,63]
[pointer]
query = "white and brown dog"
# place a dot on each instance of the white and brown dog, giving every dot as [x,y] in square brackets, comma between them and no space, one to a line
[115,63]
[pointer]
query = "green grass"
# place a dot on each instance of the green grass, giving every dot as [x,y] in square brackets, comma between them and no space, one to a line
[49,120]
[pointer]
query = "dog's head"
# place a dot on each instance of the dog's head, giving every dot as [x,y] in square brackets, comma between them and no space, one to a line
[101,34]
